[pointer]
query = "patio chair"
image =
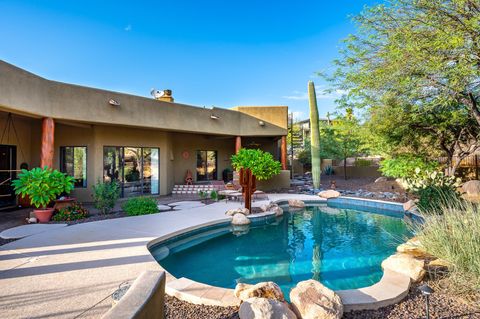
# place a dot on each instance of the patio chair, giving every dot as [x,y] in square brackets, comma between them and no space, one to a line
[188,178]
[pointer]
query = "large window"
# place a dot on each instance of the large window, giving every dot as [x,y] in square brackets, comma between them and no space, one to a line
[135,168]
[73,161]
[206,165]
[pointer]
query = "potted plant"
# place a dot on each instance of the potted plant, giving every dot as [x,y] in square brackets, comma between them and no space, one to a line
[42,186]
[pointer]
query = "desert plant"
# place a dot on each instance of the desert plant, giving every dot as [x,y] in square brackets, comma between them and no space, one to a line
[140,206]
[328,170]
[214,195]
[404,166]
[105,195]
[434,189]
[453,234]
[73,212]
[42,185]
[314,135]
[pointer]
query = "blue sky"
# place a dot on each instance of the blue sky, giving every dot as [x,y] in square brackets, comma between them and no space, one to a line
[221,53]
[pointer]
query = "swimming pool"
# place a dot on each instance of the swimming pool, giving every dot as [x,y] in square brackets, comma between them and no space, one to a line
[342,248]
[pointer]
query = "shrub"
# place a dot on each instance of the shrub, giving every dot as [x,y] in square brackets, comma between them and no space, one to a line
[140,206]
[453,234]
[434,189]
[404,166]
[42,185]
[214,195]
[105,195]
[73,212]
[328,170]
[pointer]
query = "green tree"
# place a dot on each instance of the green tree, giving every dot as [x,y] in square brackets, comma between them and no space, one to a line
[416,62]
[341,139]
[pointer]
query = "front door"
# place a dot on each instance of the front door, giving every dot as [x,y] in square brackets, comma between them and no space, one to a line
[8,162]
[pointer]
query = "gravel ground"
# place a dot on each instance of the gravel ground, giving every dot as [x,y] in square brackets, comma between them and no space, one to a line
[178,309]
[442,306]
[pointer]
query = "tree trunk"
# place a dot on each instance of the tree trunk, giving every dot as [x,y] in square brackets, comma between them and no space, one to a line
[345,168]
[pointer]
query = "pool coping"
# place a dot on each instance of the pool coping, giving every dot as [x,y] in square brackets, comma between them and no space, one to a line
[391,288]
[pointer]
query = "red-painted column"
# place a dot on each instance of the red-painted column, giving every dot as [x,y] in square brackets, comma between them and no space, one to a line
[48,133]
[283,156]
[238,144]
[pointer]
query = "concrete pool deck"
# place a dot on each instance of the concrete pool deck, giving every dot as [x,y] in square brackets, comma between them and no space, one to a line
[70,272]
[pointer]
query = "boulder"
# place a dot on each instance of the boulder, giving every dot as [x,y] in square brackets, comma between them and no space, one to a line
[381,179]
[311,300]
[414,248]
[268,289]
[264,207]
[240,219]
[329,194]
[409,205]
[472,188]
[405,264]
[263,308]
[296,203]
[232,212]
[440,263]
[277,210]
[32,220]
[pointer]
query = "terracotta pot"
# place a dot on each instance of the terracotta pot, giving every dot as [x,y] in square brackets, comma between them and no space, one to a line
[43,215]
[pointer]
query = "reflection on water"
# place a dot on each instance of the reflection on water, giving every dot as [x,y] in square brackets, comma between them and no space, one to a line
[341,248]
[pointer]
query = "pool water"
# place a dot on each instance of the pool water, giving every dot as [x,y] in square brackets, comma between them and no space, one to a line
[342,248]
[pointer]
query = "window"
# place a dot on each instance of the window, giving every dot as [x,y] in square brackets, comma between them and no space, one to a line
[73,161]
[135,168]
[206,165]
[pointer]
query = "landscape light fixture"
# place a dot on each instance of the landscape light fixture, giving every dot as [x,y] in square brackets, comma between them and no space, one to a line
[113,102]
[426,290]
[214,117]
[261,123]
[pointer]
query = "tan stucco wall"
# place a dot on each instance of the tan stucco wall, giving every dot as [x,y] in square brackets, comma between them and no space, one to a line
[23,126]
[26,93]
[277,182]
[277,115]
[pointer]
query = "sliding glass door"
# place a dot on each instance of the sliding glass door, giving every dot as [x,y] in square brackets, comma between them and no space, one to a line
[135,168]
[206,165]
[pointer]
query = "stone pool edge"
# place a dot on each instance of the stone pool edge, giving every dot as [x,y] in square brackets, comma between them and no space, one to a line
[391,288]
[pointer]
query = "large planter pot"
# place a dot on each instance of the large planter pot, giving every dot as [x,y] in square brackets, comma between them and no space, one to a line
[64,203]
[43,215]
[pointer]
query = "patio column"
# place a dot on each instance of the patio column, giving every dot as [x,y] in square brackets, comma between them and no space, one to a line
[48,133]
[283,155]
[238,144]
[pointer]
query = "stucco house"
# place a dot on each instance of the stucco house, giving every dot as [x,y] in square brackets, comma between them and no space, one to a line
[147,144]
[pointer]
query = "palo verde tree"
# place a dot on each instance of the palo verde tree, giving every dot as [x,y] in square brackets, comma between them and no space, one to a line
[418,59]
[254,164]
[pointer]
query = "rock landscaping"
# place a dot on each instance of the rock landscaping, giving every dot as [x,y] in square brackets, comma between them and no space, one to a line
[296,203]
[312,300]
[269,290]
[240,219]
[263,308]
[329,194]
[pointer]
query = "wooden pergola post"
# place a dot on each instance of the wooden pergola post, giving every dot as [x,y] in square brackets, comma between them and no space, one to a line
[47,147]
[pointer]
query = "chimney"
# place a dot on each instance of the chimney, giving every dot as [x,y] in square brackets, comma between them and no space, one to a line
[166,96]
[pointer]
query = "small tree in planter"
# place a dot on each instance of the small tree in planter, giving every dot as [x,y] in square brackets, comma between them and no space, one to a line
[42,186]
[105,195]
[253,165]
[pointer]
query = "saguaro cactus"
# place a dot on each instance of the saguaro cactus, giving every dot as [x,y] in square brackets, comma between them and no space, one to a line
[314,135]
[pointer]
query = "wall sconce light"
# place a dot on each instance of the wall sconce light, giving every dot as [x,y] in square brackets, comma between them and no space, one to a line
[113,102]
[214,117]
[261,123]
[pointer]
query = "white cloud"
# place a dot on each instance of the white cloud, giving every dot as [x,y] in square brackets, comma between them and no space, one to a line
[128,28]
